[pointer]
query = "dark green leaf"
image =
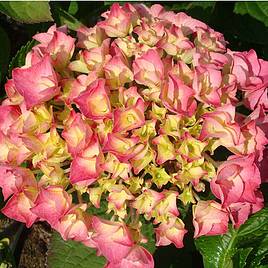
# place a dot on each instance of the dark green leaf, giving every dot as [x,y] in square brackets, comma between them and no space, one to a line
[4,53]
[62,17]
[6,256]
[243,32]
[19,59]
[189,5]
[148,231]
[255,228]
[240,257]
[217,251]
[101,212]
[73,8]
[70,254]
[258,10]
[89,12]
[198,10]
[245,247]
[259,253]
[27,11]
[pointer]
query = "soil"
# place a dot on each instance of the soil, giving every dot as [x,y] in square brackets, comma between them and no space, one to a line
[35,247]
[27,247]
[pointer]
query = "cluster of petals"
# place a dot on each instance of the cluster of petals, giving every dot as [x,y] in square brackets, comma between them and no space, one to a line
[130,115]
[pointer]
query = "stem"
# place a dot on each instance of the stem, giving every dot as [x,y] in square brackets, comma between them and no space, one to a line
[65,163]
[71,190]
[37,171]
[79,196]
[227,253]
[134,216]
[143,175]
[211,160]
[197,198]
[240,103]
[137,217]
[67,170]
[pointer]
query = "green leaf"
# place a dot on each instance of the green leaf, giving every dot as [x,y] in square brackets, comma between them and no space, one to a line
[245,247]
[100,212]
[147,230]
[4,53]
[243,32]
[217,251]
[258,10]
[189,5]
[62,17]
[255,226]
[73,8]
[240,257]
[70,254]
[260,253]
[27,11]
[19,59]
[6,256]
[201,10]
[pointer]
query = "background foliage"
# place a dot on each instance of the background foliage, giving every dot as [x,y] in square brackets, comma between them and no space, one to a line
[244,25]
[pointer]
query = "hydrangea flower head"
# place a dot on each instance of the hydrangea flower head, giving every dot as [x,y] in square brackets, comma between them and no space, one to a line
[129,115]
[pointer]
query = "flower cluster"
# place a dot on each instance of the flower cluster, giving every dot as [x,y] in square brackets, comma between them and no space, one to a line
[130,116]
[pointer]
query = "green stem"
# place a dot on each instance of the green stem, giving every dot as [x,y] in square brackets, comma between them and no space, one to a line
[212,161]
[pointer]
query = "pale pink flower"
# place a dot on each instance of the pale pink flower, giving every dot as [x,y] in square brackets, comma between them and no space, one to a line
[149,69]
[237,180]
[120,146]
[58,45]
[90,37]
[15,179]
[113,239]
[76,225]
[171,231]
[12,93]
[77,134]
[115,167]
[37,83]
[143,155]
[19,207]
[207,83]
[86,166]
[73,87]
[94,102]
[149,33]
[146,202]
[51,204]
[117,72]
[175,43]
[129,118]
[221,124]
[138,257]
[252,77]
[178,97]
[92,60]
[209,218]
[8,115]
[239,212]
[117,23]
